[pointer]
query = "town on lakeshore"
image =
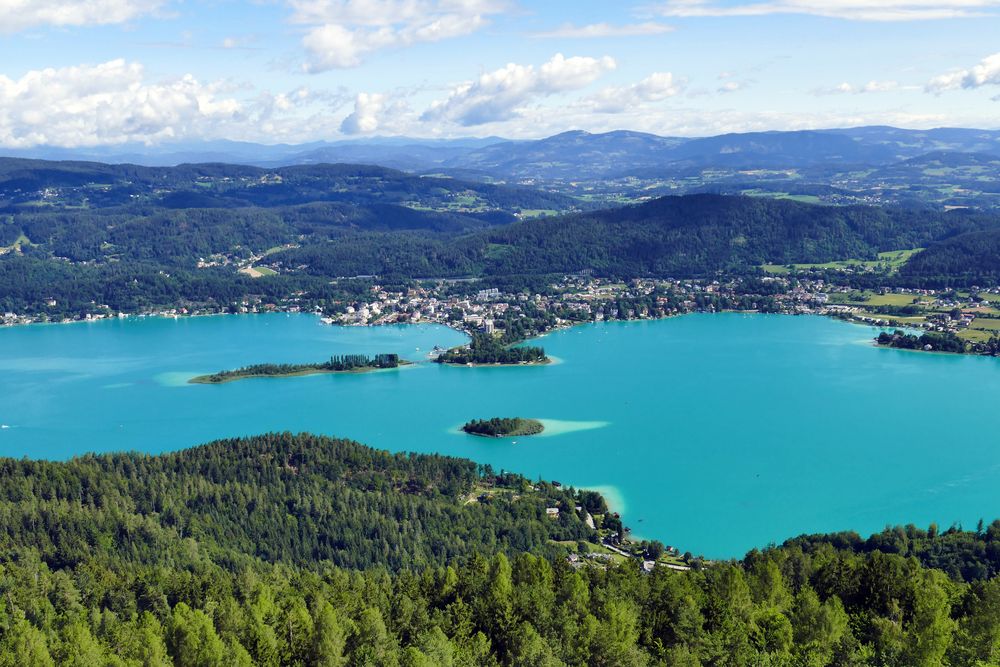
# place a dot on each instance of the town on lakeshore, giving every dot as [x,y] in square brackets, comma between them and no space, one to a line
[970,316]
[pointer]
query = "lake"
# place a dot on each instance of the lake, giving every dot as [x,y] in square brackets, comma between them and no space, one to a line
[714,433]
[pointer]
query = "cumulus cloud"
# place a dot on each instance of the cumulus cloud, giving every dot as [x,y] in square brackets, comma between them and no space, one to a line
[499,95]
[619,99]
[987,72]
[365,117]
[109,103]
[341,33]
[595,30]
[855,10]
[18,15]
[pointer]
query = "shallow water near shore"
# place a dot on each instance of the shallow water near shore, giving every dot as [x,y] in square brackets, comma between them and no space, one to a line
[714,433]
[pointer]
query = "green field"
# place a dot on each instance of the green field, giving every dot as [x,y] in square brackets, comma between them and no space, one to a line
[985,324]
[975,335]
[890,300]
[806,199]
[888,261]
[528,213]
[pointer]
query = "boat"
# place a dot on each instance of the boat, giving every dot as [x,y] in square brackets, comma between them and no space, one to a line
[4,426]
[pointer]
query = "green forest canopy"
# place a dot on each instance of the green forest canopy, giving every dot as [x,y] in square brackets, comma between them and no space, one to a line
[300,550]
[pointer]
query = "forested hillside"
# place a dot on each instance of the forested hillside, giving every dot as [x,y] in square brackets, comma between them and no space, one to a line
[294,499]
[699,234]
[148,256]
[227,555]
[964,260]
[687,236]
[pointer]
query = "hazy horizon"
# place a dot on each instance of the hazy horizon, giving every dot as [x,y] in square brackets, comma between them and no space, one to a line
[94,73]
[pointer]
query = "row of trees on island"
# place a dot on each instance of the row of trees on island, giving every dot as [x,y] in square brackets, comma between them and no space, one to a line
[486,349]
[336,364]
[503,426]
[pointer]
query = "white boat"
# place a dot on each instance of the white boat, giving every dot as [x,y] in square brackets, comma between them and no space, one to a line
[4,426]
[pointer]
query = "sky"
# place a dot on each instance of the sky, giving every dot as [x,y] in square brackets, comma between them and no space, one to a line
[87,73]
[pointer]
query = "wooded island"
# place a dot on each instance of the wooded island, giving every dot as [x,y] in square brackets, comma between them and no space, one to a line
[348,363]
[499,427]
[485,349]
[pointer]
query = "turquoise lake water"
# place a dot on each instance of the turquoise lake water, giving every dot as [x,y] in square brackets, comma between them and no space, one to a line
[714,433]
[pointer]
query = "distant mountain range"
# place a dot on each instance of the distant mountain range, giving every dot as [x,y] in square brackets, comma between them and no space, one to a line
[36,185]
[570,155]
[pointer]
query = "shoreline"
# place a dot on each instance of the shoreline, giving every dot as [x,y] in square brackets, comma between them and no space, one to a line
[878,345]
[453,364]
[499,436]
[453,327]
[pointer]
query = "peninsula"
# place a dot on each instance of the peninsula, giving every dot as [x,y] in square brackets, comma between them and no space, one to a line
[926,342]
[348,363]
[500,427]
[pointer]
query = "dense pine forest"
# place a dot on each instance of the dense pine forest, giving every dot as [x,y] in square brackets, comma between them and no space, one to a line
[297,499]
[301,550]
[963,260]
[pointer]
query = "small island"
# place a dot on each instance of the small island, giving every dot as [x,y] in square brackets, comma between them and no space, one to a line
[348,363]
[487,350]
[502,427]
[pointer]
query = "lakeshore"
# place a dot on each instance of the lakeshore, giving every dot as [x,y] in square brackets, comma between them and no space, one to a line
[973,315]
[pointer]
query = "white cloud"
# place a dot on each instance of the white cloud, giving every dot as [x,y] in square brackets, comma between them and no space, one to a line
[500,95]
[365,117]
[846,88]
[855,10]
[619,99]
[110,103]
[341,33]
[596,30]
[18,15]
[987,72]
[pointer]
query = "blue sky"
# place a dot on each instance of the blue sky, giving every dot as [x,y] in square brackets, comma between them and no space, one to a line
[106,72]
